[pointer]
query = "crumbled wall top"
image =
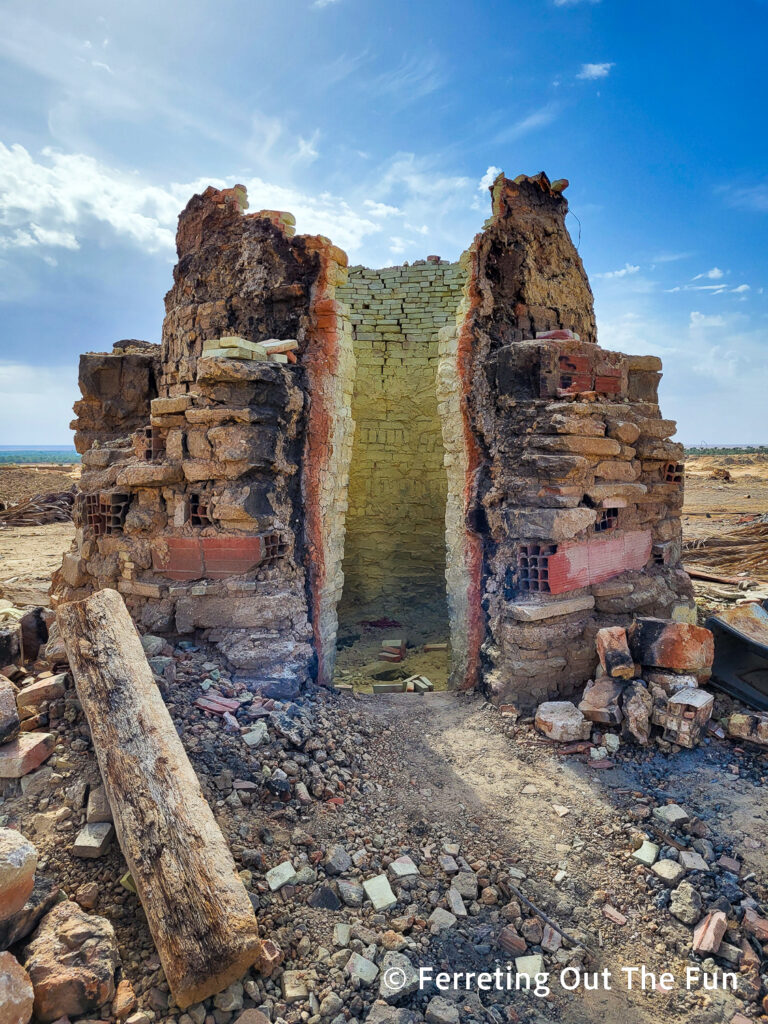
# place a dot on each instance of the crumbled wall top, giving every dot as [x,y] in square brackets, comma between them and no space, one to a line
[536,280]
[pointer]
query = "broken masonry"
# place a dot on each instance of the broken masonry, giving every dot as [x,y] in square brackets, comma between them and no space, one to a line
[238,479]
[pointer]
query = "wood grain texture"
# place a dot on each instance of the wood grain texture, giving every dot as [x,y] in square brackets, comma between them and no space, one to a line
[199,913]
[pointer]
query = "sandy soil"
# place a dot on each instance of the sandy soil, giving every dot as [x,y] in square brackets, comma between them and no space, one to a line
[20,482]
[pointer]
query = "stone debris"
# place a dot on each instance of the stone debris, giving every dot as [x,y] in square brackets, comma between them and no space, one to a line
[360,969]
[18,861]
[671,814]
[379,892]
[98,810]
[600,702]
[93,840]
[283,874]
[406,972]
[636,706]
[669,871]
[27,752]
[441,1011]
[16,994]
[562,721]
[685,904]
[647,853]
[71,962]
[10,724]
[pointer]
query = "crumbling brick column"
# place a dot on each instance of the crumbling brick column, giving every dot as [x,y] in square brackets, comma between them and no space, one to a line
[572,487]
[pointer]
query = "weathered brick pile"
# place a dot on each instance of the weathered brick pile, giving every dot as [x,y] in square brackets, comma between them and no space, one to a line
[496,447]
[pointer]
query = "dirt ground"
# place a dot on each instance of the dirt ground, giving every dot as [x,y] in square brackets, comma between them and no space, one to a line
[449,765]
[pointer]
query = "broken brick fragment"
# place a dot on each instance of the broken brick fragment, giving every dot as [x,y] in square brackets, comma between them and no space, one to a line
[678,646]
[600,702]
[709,932]
[613,652]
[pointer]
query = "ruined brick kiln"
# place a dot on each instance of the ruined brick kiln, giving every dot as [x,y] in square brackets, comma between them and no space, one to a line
[439,431]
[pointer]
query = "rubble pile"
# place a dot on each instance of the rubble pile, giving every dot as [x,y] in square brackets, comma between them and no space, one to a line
[302,790]
[651,676]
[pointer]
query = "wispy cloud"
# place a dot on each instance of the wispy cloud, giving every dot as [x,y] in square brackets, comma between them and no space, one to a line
[702,320]
[413,78]
[625,271]
[592,72]
[751,197]
[324,3]
[671,257]
[536,119]
[574,3]
[714,274]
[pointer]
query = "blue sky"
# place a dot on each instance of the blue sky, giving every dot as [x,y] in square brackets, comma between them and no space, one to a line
[377,124]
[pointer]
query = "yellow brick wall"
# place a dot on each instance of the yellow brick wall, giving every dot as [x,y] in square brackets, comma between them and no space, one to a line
[395,530]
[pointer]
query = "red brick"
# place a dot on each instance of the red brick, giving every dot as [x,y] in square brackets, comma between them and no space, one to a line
[178,558]
[678,646]
[25,754]
[709,932]
[231,556]
[580,565]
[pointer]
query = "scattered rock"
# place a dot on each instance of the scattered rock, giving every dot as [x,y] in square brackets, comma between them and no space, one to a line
[685,904]
[647,854]
[399,978]
[441,1011]
[362,970]
[9,716]
[16,994]
[71,961]
[18,860]
[562,721]
[637,705]
[671,814]
[283,874]
[379,892]
[669,871]
[338,861]
[93,840]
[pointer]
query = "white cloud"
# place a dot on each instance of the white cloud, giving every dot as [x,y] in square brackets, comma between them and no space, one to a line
[381,209]
[488,179]
[701,320]
[740,289]
[49,391]
[62,200]
[324,3]
[625,271]
[714,274]
[573,3]
[591,72]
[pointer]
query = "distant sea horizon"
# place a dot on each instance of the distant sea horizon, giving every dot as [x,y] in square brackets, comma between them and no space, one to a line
[25,453]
